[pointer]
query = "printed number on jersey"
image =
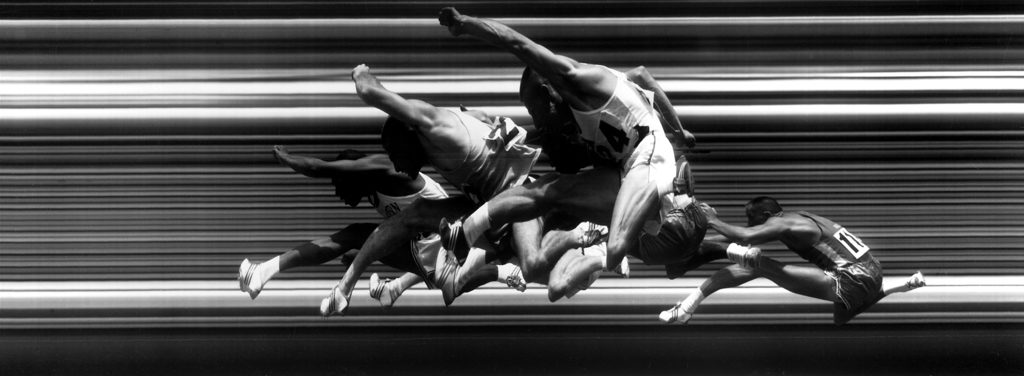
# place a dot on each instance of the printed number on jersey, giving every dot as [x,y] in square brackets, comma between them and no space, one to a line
[508,131]
[853,244]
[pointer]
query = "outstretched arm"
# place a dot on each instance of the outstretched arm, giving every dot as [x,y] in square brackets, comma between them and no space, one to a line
[318,168]
[413,112]
[555,68]
[644,79]
[771,230]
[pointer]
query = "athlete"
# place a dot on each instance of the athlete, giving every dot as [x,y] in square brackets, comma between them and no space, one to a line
[479,158]
[631,183]
[844,272]
[355,176]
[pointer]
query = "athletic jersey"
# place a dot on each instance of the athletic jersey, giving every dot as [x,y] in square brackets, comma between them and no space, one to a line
[836,248]
[425,246]
[497,160]
[388,206]
[614,130]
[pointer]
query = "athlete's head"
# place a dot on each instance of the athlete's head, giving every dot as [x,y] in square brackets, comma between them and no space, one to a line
[543,103]
[554,121]
[352,187]
[403,147]
[760,209]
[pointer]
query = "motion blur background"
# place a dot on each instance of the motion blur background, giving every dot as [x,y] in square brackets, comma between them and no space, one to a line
[136,173]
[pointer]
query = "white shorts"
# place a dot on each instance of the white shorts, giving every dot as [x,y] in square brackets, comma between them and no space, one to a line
[656,151]
[424,253]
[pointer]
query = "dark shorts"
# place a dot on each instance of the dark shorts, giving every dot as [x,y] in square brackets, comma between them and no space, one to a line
[858,287]
[679,239]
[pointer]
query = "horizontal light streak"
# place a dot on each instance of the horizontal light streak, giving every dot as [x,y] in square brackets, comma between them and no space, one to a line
[26,116]
[662,73]
[428,28]
[454,85]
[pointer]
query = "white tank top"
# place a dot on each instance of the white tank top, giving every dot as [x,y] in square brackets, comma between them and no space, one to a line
[614,129]
[391,205]
[497,159]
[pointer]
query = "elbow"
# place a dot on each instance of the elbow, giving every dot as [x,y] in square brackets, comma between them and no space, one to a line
[638,73]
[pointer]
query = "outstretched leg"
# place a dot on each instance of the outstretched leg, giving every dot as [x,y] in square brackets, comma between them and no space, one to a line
[393,234]
[586,195]
[637,200]
[253,276]
[727,277]
[911,283]
[802,280]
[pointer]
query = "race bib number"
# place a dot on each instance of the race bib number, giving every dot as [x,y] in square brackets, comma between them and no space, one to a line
[853,244]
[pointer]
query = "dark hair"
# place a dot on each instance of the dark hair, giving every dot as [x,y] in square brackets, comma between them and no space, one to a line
[352,187]
[403,146]
[762,204]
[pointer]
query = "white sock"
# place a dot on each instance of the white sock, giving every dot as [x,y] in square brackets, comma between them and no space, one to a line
[264,272]
[689,305]
[736,252]
[476,224]
[474,260]
[505,270]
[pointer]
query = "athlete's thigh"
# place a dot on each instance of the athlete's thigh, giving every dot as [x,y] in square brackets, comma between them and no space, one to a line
[636,201]
[588,195]
[526,237]
[352,236]
[804,280]
[423,214]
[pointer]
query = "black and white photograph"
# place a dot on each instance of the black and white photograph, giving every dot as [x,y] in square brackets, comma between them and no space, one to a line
[532,187]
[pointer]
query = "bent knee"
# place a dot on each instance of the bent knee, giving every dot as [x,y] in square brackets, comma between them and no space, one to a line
[557,288]
[534,269]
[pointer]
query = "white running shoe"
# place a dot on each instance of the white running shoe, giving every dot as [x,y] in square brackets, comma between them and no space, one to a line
[445,270]
[384,292]
[334,303]
[245,273]
[589,234]
[515,279]
[675,315]
[916,281]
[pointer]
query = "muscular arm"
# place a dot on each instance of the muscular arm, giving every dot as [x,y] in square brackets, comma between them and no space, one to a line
[771,230]
[415,113]
[643,78]
[318,168]
[561,71]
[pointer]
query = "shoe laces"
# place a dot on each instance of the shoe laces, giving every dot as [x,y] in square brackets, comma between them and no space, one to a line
[514,279]
[377,291]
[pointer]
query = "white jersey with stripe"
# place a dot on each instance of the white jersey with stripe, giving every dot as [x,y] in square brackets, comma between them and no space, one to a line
[497,158]
[388,206]
[614,130]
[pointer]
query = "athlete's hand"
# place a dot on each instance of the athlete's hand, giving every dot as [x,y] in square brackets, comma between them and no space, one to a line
[689,139]
[709,211]
[479,115]
[685,138]
[452,19]
[280,152]
[359,70]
